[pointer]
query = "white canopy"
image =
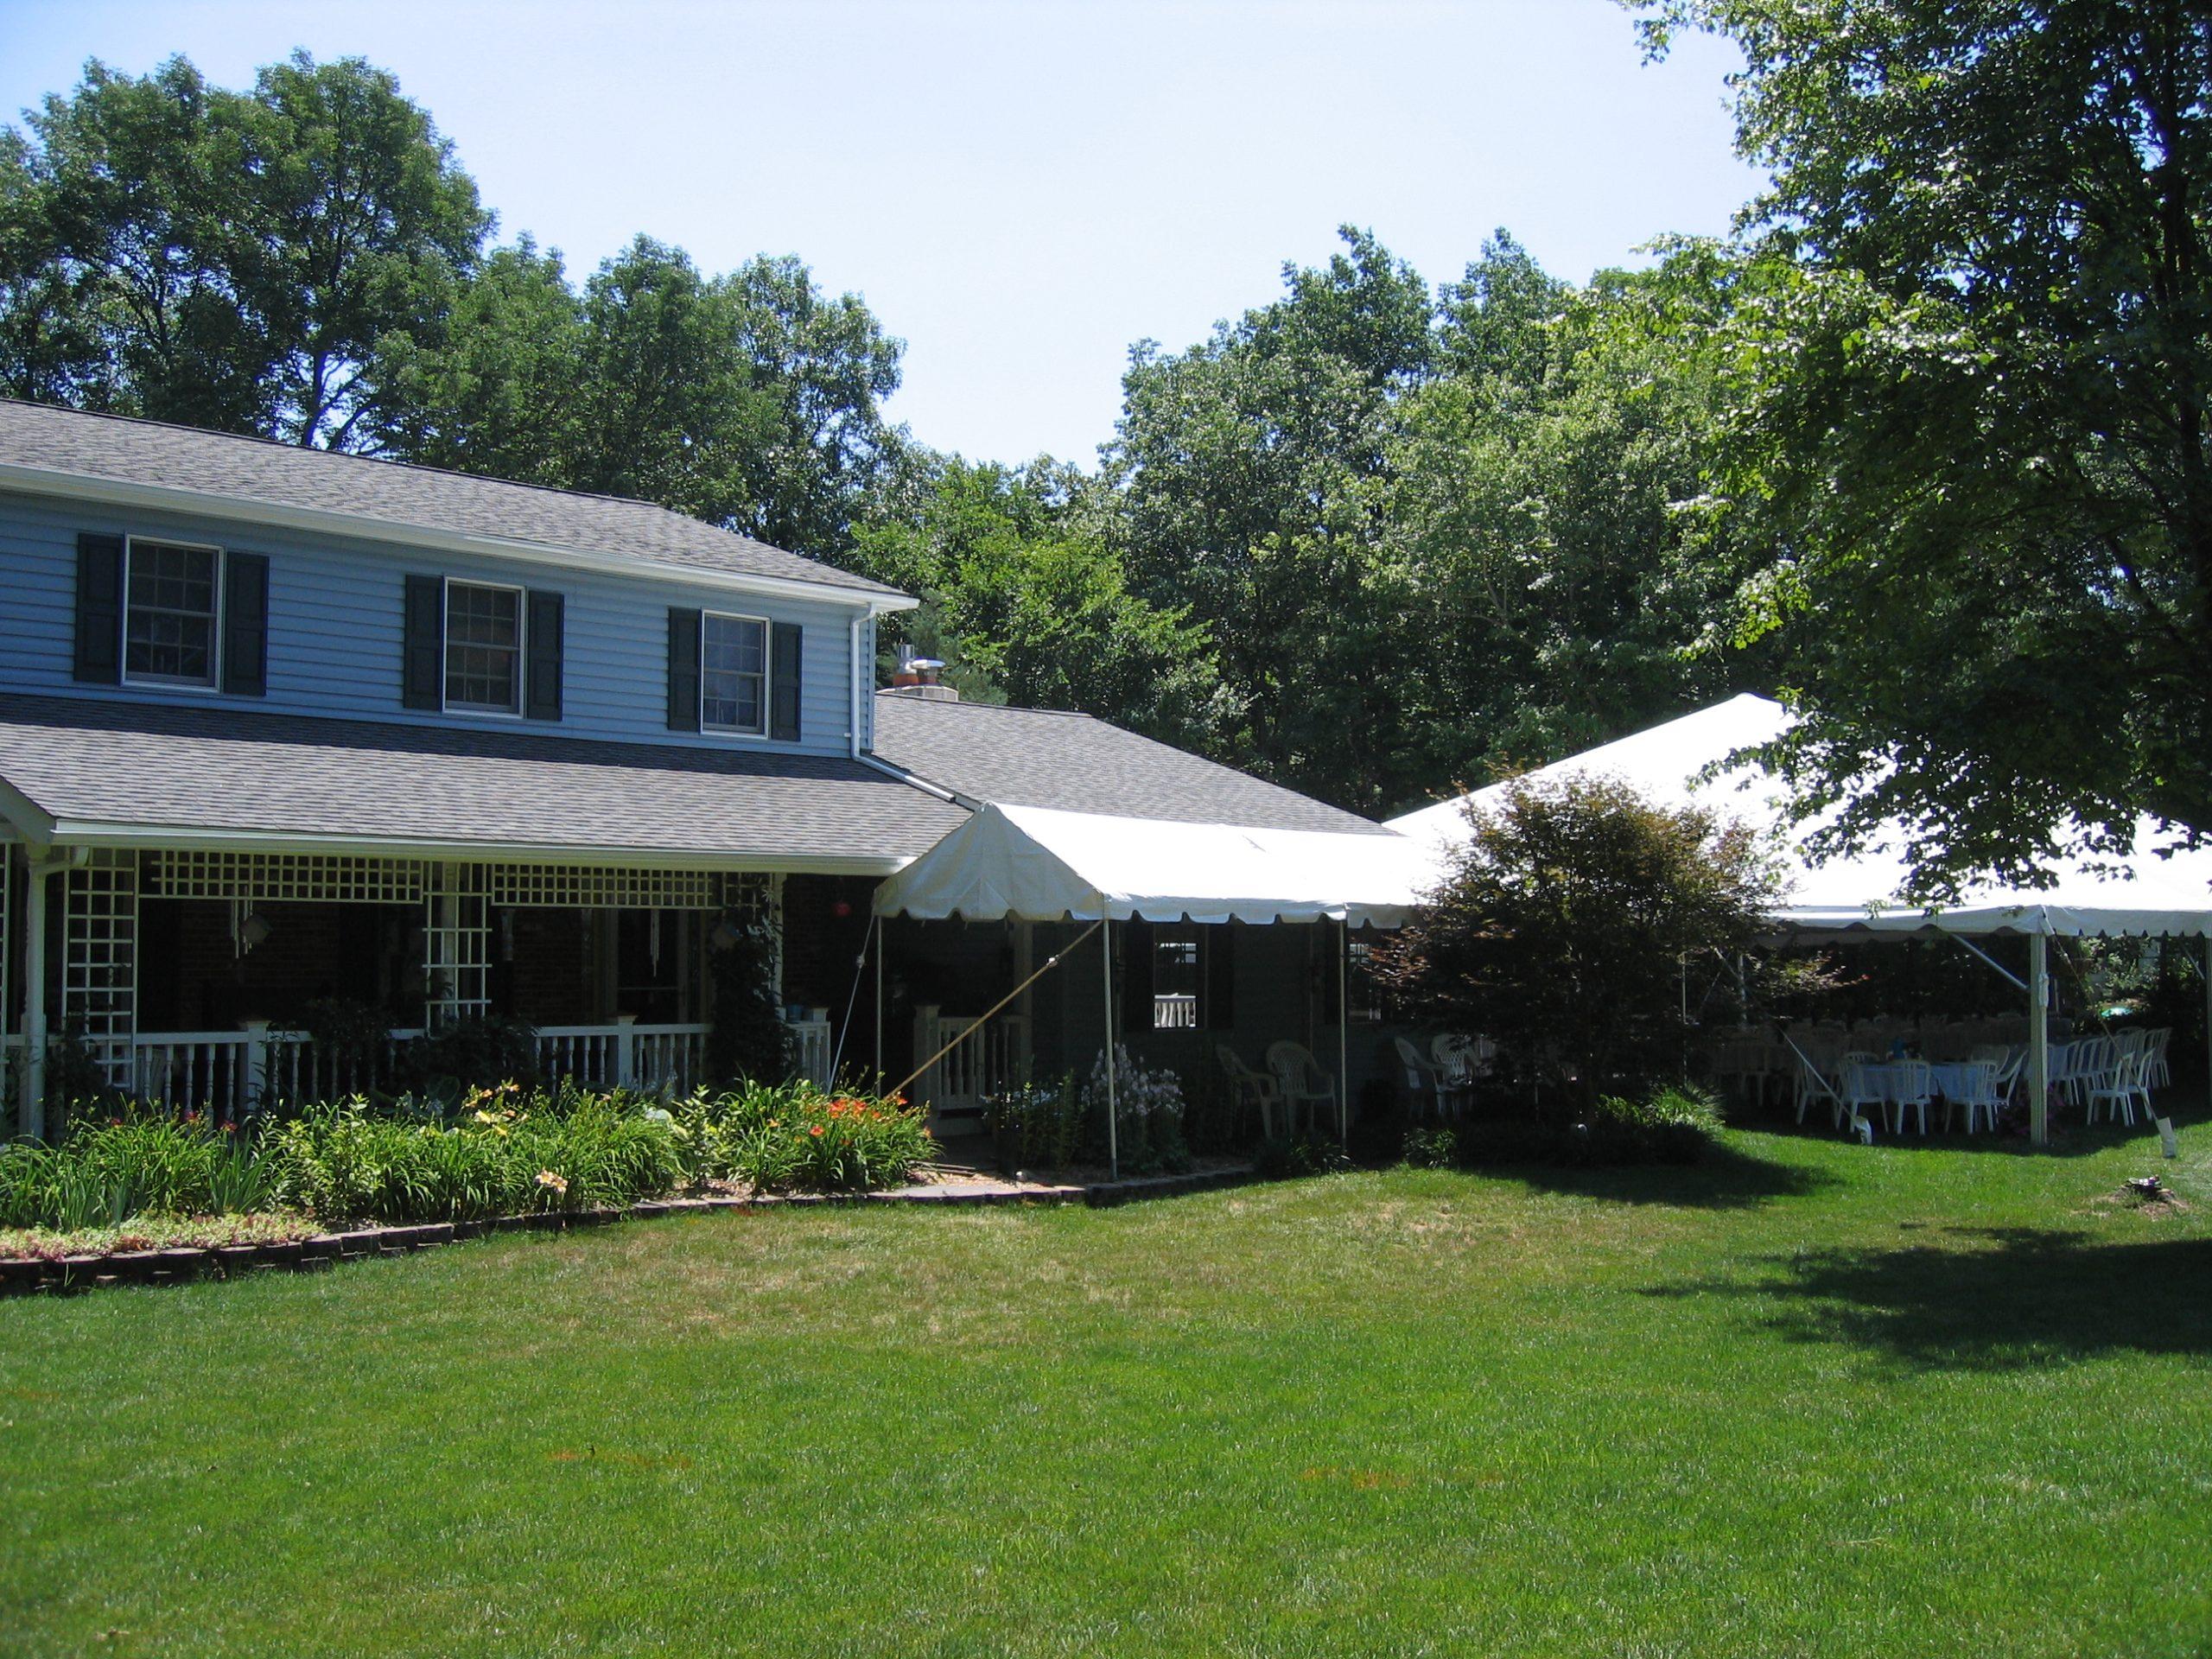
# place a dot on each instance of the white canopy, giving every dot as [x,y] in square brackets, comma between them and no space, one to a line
[2151,894]
[1040,864]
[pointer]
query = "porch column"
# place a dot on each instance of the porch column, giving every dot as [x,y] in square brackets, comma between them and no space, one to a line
[33,1116]
[2038,1039]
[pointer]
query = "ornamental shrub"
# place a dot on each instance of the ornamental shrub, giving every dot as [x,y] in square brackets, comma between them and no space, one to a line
[1560,927]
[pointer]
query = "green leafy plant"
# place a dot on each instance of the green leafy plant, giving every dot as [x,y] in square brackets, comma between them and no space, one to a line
[1038,1126]
[1436,1148]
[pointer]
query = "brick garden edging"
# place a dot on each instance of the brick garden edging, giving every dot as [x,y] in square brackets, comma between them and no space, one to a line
[175,1264]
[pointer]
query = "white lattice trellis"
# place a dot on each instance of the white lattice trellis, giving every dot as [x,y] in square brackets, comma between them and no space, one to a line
[309,876]
[585,887]
[457,945]
[99,957]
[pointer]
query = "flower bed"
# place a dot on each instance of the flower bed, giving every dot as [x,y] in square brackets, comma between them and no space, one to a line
[504,1151]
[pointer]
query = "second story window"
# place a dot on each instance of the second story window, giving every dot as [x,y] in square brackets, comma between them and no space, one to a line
[483,648]
[733,673]
[170,625]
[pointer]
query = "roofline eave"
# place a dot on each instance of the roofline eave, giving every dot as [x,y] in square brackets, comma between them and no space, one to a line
[77,832]
[120,492]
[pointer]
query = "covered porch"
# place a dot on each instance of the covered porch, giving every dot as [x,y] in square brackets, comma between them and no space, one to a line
[219,913]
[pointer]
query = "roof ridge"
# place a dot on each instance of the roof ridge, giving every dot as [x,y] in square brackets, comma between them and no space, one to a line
[280,445]
[894,693]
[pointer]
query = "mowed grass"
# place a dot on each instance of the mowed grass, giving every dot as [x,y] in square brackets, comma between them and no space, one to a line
[1809,1399]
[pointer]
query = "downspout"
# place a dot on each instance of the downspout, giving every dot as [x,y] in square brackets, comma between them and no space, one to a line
[853,713]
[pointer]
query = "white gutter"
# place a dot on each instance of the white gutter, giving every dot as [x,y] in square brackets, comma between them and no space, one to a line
[163,498]
[92,833]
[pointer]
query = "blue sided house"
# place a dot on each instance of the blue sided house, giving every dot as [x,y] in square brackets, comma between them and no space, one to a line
[285,734]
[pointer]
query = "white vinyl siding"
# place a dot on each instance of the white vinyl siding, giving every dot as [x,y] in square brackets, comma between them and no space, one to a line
[172,599]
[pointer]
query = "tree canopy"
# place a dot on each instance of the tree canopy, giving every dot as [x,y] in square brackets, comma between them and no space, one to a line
[1969,415]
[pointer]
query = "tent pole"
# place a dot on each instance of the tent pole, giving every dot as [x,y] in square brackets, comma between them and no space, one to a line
[2038,1039]
[1344,1034]
[1106,982]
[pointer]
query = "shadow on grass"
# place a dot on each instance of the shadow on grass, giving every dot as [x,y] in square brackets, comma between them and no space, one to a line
[1723,1178]
[2015,1297]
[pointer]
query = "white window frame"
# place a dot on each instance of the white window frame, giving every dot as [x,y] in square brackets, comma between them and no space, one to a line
[767,675]
[483,710]
[214,683]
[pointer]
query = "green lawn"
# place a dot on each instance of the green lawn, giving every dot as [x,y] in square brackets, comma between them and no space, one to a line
[1810,1399]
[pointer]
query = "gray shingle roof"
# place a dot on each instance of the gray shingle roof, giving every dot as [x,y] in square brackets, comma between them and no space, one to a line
[1037,757]
[387,492]
[278,776]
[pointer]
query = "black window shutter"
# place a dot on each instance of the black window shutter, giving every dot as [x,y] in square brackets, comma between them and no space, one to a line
[682,669]
[424,681]
[786,676]
[245,625]
[1220,1010]
[541,700]
[99,609]
[1138,945]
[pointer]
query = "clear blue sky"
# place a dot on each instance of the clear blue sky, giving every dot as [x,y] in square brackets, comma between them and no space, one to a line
[1019,190]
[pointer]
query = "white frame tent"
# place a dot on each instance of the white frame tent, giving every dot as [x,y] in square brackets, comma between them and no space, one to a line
[2162,890]
[1043,864]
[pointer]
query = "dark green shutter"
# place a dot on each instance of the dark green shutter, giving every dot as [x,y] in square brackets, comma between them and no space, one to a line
[424,681]
[786,676]
[1139,945]
[1219,1012]
[682,669]
[99,609]
[542,697]
[245,625]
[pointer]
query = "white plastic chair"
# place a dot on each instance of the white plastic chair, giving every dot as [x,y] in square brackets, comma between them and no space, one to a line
[1248,1087]
[1301,1081]
[1815,1084]
[2155,1074]
[1862,1085]
[1909,1088]
[1462,1062]
[1980,1098]
[1423,1081]
[2120,1085]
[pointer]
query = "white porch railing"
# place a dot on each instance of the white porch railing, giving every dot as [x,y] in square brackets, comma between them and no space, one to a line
[812,1038]
[1175,1011]
[959,1083]
[227,1073]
